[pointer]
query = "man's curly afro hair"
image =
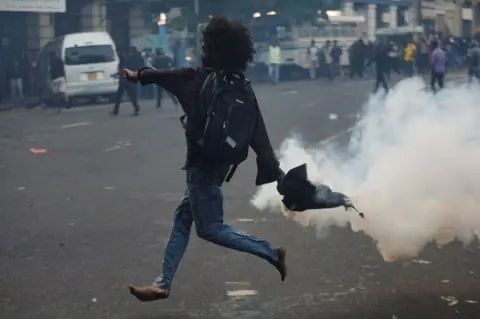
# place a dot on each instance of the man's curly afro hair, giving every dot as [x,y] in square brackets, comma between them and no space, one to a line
[227,45]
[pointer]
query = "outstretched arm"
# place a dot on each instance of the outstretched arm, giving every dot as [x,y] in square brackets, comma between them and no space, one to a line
[171,80]
[174,81]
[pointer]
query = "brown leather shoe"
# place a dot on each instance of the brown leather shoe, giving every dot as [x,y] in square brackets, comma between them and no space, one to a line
[282,262]
[150,293]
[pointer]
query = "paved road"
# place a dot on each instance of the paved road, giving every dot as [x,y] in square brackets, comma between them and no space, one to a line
[93,213]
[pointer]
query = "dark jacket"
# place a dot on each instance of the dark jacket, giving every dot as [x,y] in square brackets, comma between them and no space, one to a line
[14,70]
[185,84]
[57,68]
[380,57]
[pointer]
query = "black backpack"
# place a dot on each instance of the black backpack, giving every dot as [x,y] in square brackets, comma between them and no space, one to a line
[231,118]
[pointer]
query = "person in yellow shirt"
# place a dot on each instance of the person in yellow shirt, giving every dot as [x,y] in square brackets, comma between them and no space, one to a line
[274,61]
[409,57]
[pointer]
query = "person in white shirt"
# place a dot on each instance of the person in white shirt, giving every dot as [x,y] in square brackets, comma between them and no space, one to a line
[312,57]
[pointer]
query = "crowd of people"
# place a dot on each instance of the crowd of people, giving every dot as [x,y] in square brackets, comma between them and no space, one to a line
[403,56]
[16,77]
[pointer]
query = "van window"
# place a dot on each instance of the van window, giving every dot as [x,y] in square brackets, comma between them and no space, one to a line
[89,54]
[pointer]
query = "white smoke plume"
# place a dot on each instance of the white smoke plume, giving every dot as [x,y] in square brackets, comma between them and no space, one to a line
[412,166]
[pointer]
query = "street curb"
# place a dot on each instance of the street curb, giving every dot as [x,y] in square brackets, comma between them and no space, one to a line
[29,103]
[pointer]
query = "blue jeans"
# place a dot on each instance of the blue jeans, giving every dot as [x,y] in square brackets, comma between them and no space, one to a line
[203,205]
[370,69]
[274,72]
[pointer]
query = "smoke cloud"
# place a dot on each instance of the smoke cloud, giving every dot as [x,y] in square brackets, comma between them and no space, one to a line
[412,165]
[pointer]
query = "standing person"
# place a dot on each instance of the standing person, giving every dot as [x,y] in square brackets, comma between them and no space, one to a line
[123,85]
[135,61]
[176,54]
[439,65]
[336,55]
[147,91]
[474,62]
[312,57]
[25,72]
[162,61]
[226,52]
[59,82]
[370,56]
[380,58]
[357,53]
[327,60]
[15,79]
[423,55]
[392,59]
[274,61]
[409,57]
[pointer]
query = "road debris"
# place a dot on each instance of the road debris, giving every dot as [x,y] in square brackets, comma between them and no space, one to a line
[451,300]
[241,293]
[38,150]
[118,145]
[421,262]
[75,125]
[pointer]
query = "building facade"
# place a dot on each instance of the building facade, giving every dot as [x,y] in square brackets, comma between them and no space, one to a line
[476,17]
[27,25]
[435,15]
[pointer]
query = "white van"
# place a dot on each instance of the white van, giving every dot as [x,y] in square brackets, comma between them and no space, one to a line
[90,60]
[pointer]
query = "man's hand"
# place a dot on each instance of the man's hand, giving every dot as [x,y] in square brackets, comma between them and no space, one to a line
[130,76]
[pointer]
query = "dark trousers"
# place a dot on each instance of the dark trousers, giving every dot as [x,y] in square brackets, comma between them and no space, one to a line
[202,206]
[408,65]
[329,71]
[392,66]
[131,90]
[356,68]
[473,74]
[160,94]
[437,78]
[381,79]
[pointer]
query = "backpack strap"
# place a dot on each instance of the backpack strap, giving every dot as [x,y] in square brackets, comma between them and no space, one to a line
[184,118]
[231,172]
[207,81]
[201,99]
